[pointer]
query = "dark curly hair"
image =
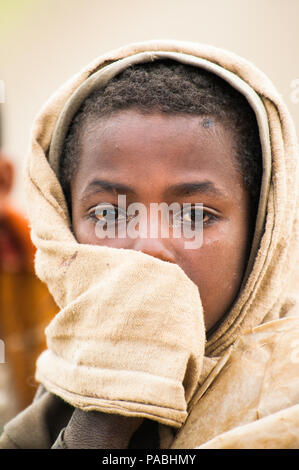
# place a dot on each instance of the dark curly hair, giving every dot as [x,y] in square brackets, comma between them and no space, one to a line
[173,88]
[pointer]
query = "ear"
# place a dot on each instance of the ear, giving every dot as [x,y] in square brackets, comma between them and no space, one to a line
[6,177]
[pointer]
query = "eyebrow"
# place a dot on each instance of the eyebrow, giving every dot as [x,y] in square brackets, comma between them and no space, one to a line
[181,189]
[98,186]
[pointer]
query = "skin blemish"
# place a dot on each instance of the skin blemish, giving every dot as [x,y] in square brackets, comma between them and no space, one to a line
[207,123]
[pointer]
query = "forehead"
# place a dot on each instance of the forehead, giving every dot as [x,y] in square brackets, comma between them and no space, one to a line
[130,145]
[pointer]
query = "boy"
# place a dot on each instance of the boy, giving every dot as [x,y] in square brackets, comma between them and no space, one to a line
[165,122]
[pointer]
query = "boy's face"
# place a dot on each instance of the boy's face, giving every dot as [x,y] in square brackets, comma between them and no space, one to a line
[149,158]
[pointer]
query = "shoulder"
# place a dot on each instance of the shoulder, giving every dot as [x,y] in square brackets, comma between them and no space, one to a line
[280,337]
[276,345]
[280,333]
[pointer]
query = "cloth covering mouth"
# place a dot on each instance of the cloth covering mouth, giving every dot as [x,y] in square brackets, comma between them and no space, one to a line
[130,335]
[114,346]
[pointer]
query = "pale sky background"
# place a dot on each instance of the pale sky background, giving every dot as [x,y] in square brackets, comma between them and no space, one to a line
[44,42]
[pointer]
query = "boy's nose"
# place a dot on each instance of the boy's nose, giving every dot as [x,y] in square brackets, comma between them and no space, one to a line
[154,247]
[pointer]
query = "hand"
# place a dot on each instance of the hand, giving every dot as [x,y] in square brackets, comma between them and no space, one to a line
[95,430]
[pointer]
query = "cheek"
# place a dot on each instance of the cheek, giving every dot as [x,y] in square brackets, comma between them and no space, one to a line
[210,264]
[223,250]
[85,232]
[217,269]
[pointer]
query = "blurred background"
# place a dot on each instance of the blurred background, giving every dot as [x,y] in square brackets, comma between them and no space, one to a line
[42,44]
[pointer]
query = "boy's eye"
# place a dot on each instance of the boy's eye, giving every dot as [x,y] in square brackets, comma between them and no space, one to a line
[192,215]
[108,214]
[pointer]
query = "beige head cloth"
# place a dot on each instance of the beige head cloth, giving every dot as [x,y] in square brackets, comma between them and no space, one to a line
[130,336]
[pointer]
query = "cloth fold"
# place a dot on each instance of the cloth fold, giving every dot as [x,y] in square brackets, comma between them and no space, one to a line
[114,346]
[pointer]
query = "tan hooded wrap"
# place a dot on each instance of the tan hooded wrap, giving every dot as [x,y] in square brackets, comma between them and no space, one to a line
[130,335]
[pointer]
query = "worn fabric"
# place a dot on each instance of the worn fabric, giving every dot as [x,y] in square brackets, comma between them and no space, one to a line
[244,392]
[242,405]
[105,345]
[38,426]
